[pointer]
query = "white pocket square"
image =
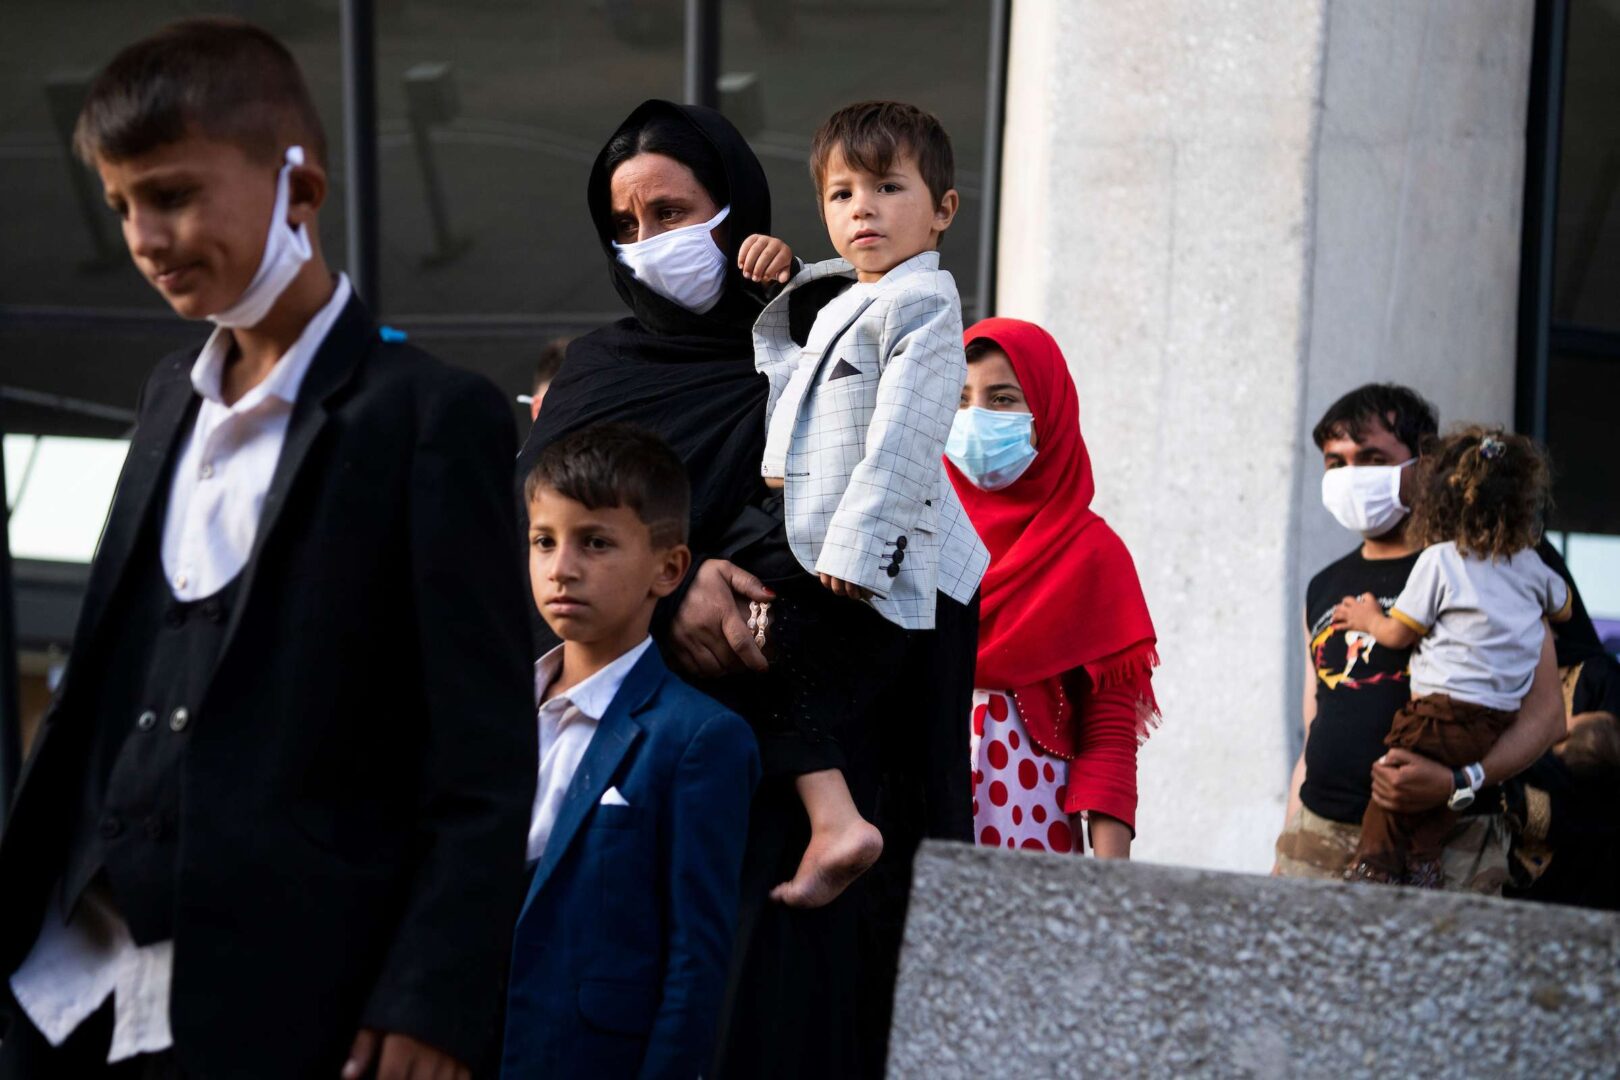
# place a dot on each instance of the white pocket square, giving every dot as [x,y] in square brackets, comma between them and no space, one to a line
[612,798]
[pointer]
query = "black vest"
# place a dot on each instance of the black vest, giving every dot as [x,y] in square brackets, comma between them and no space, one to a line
[159,655]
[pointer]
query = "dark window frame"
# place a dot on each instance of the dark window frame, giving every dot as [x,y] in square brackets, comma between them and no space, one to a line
[1541,335]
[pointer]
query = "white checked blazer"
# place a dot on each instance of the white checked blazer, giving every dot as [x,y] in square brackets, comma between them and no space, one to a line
[866,495]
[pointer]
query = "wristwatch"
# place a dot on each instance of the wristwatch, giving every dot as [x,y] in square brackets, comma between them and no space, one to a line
[1465,782]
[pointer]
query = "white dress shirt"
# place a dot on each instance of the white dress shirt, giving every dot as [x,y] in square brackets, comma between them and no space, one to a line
[567,725]
[74,966]
[220,480]
[224,469]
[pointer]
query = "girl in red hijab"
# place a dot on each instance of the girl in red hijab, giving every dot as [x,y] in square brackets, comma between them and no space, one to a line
[1066,646]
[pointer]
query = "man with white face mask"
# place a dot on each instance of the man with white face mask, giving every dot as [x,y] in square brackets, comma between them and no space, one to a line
[1353,686]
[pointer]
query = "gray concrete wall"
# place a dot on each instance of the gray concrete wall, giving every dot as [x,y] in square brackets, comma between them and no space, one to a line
[1229,213]
[1024,965]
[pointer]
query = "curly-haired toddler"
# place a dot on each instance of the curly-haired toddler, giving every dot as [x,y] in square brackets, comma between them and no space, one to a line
[1473,606]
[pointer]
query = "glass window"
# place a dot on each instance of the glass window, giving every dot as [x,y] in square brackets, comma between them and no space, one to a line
[786,67]
[1594,562]
[490,114]
[62,489]
[1586,274]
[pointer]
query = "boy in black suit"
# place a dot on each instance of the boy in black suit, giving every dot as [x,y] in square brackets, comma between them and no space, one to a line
[268,826]
[636,844]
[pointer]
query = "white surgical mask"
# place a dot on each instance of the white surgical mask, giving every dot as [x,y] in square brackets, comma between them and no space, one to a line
[684,266]
[991,448]
[1365,499]
[286,250]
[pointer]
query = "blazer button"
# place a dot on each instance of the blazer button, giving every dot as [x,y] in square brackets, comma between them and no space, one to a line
[894,570]
[179,719]
[899,556]
[146,721]
[900,542]
[111,826]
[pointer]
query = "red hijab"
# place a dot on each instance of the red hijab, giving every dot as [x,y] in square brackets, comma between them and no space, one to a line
[1061,593]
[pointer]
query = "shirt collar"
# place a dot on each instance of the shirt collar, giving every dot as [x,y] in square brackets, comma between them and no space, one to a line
[923,260]
[208,373]
[592,695]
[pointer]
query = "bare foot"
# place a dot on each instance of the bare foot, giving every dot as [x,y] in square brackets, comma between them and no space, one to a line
[832,861]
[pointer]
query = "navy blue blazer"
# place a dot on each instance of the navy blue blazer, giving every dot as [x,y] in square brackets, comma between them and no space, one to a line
[620,954]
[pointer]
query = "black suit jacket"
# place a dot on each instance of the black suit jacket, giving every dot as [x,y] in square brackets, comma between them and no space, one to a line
[356,792]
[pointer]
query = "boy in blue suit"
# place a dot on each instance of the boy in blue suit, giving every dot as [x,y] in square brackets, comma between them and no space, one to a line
[620,954]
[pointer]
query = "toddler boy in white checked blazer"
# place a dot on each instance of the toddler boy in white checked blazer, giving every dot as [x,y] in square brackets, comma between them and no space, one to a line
[859,410]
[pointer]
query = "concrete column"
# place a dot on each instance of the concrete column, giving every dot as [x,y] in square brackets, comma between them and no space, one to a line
[1228,214]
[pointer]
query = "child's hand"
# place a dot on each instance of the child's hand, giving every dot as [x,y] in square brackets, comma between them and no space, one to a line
[844,588]
[765,258]
[1357,613]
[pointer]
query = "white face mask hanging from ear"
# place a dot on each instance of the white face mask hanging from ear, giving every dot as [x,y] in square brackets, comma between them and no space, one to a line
[1365,499]
[684,266]
[286,250]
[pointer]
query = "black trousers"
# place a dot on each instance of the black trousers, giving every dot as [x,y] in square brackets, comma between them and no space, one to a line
[812,991]
[832,660]
[25,1054]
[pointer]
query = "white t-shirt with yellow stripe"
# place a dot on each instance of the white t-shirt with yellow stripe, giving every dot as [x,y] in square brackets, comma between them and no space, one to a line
[1481,623]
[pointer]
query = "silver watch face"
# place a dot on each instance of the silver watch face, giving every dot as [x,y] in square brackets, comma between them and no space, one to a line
[1461,799]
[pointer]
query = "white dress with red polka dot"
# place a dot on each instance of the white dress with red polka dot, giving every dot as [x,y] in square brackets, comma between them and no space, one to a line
[1018,788]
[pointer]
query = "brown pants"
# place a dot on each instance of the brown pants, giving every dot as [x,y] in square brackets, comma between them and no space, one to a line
[1405,849]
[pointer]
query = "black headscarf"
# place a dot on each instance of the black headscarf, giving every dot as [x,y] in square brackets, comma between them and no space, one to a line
[688,377]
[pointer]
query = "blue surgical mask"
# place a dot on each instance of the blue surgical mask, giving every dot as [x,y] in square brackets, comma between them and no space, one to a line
[991,448]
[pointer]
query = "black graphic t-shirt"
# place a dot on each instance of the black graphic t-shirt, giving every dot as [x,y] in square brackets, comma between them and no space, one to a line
[1360,686]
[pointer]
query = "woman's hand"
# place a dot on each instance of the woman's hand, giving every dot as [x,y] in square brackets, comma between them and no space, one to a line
[1110,837]
[710,636]
[765,258]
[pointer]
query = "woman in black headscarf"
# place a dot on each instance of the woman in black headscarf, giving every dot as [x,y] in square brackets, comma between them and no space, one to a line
[811,990]
[685,374]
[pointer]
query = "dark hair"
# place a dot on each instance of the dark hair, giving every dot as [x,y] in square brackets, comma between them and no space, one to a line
[1592,750]
[610,465]
[980,347]
[1485,489]
[550,362]
[872,134]
[232,80]
[1405,412]
[673,138]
